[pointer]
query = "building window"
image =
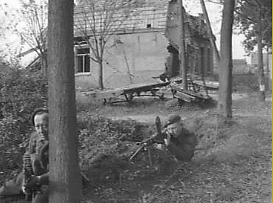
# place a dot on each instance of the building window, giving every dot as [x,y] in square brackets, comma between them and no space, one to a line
[82,60]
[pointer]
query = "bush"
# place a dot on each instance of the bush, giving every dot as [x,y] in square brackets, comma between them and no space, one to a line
[21,92]
[101,136]
[12,141]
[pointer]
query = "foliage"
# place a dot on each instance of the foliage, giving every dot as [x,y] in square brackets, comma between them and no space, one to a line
[101,136]
[12,139]
[21,92]
[254,17]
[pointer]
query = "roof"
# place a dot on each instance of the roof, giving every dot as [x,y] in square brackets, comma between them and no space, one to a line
[127,16]
[122,15]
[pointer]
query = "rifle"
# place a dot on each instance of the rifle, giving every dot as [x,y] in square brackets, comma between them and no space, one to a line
[27,167]
[149,140]
[28,171]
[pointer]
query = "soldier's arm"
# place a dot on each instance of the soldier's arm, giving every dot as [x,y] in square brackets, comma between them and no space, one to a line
[37,181]
[44,179]
[159,138]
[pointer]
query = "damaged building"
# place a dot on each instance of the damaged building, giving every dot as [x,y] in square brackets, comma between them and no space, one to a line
[145,45]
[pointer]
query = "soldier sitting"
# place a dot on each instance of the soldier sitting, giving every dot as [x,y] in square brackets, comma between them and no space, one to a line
[34,178]
[36,159]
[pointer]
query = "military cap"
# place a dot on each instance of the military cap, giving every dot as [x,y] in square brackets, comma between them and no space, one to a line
[37,111]
[172,119]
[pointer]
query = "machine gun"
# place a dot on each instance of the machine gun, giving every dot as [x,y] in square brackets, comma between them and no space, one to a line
[156,138]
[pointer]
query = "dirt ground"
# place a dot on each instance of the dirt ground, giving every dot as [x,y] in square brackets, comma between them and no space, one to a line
[232,163]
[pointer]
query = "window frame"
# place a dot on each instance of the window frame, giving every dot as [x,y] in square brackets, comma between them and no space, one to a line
[84,69]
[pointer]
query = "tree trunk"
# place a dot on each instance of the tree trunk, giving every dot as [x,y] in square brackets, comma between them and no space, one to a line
[100,54]
[225,69]
[127,66]
[65,178]
[182,57]
[44,63]
[101,86]
[261,79]
[211,36]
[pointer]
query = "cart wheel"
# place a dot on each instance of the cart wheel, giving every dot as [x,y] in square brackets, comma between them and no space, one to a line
[173,92]
[153,92]
[130,96]
[197,88]
[104,101]
[161,97]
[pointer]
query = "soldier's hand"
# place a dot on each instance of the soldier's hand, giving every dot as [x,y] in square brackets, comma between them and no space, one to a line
[33,182]
[146,142]
[167,140]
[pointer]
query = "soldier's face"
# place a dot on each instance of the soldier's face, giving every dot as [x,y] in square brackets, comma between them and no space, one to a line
[41,125]
[174,129]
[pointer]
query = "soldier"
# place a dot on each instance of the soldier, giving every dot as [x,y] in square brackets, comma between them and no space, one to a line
[176,139]
[36,159]
[179,141]
[34,178]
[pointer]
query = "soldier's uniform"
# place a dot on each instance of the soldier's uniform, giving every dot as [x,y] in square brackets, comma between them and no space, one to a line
[183,145]
[38,157]
[38,152]
[35,160]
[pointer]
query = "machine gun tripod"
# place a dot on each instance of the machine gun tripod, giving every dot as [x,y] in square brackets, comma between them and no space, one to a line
[149,141]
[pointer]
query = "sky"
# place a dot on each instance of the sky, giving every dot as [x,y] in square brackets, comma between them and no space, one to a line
[192,7]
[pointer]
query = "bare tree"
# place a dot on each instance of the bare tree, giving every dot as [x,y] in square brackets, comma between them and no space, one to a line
[65,178]
[10,48]
[225,69]
[101,20]
[33,28]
